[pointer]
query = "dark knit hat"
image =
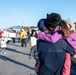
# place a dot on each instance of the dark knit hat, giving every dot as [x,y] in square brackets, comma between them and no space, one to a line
[41,24]
[53,20]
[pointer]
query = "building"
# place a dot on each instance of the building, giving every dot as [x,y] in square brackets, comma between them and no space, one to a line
[73,26]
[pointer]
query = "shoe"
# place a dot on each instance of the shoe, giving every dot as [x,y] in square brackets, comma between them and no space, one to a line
[4,52]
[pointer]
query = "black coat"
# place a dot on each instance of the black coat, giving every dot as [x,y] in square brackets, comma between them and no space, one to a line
[52,56]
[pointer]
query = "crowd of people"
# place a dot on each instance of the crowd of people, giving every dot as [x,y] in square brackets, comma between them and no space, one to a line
[6,36]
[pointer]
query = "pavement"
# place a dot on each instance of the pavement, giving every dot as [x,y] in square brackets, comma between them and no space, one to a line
[16,60]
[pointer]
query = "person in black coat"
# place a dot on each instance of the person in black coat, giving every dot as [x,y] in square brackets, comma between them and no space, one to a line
[14,37]
[52,55]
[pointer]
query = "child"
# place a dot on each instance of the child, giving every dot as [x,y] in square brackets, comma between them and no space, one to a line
[33,46]
[3,44]
[56,36]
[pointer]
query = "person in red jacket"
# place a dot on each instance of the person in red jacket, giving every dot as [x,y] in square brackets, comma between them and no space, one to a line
[0,33]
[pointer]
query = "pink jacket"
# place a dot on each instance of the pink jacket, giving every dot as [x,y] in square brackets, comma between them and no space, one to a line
[55,37]
[72,40]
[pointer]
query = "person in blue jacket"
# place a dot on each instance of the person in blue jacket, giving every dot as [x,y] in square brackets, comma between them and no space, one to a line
[52,55]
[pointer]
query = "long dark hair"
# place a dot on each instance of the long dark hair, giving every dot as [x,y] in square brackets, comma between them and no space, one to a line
[32,33]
